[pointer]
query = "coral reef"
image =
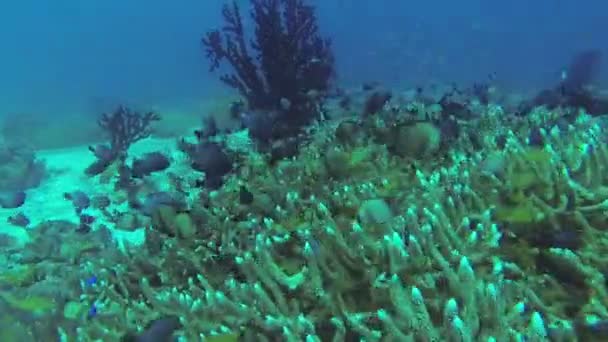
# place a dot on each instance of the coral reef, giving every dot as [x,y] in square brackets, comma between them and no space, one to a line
[451,219]
[351,240]
[291,65]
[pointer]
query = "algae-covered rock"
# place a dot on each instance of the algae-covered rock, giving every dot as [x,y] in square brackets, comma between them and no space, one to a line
[184,225]
[20,276]
[342,164]
[19,168]
[162,219]
[228,337]
[417,141]
[375,212]
[73,310]
[37,305]
[525,178]
[128,221]
[167,220]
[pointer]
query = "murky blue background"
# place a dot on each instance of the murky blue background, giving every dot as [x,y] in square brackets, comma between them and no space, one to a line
[77,56]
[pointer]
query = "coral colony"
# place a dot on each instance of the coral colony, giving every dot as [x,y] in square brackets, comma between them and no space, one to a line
[285,72]
[327,215]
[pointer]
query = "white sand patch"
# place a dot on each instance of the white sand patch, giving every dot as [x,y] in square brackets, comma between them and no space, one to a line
[66,174]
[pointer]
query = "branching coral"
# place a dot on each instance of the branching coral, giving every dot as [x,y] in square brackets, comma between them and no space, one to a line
[452,265]
[500,243]
[124,127]
[292,64]
[315,284]
[551,202]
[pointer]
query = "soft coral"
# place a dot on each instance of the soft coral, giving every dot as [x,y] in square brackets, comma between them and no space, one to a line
[292,64]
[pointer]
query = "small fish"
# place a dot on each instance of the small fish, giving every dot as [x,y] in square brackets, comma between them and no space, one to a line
[592,331]
[87,219]
[285,103]
[93,311]
[103,152]
[12,200]
[160,330]
[91,281]
[79,199]
[148,164]
[209,129]
[83,228]
[19,219]
[600,327]
[153,201]
[245,196]
[259,125]
[315,60]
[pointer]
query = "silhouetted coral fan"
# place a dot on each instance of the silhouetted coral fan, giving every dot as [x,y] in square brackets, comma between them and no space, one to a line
[574,90]
[285,70]
[124,127]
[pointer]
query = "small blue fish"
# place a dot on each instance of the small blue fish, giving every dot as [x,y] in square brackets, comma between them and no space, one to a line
[599,327]
[92,311]
[91,281]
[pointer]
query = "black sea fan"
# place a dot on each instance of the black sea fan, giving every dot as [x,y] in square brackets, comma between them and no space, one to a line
[287,67]
[582,71]
[124,127]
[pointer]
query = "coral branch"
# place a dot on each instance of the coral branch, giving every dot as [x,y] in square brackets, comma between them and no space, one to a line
[125,126]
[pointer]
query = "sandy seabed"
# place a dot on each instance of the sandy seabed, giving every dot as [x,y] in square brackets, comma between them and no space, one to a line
[66,174]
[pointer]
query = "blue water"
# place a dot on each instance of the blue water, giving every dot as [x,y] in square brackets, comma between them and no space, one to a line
[474,214]
[78,56]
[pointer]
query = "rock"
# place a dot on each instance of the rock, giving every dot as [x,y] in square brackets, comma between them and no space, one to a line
[374,212]
[417,141]
[73,310]
[163,218]
[127,221]
[184,225]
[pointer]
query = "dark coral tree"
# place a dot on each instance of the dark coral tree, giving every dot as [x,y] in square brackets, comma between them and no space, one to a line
[124,127]
[286,67]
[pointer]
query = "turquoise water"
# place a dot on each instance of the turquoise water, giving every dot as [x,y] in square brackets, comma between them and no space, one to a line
[350,171]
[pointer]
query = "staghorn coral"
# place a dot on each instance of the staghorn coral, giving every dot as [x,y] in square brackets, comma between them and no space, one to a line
[452,265]
[551,202]
[298,261]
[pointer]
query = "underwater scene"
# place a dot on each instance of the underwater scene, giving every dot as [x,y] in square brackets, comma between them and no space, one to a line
[304,170]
